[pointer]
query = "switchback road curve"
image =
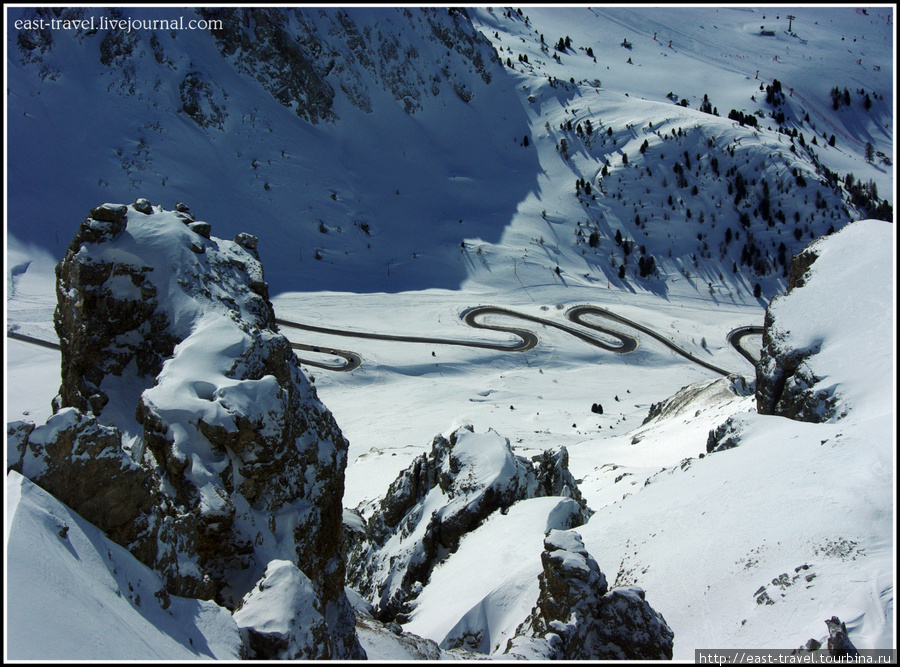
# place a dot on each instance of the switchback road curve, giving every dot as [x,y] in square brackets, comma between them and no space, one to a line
[737,335]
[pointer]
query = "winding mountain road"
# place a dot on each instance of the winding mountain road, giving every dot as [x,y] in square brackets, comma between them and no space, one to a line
[527,339]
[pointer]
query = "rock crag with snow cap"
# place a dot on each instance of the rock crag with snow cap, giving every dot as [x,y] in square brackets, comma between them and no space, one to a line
[577,617]
[437,500]
[184,426]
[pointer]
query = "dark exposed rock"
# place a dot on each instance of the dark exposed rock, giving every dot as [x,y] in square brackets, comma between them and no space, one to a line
[118,46]
[37,38]
[201,228]
[290,66]
[92,319]
[800,263]
[203,100]
[184,426]
[474,476]
[837,644]
[142,205]
[247,241]
[725,436]
[578,618]
[302,65]
[785,382]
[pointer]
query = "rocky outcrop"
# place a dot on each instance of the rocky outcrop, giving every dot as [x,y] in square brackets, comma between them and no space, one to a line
[290,65]
[837,644]
[281,618]
[577,617]
[202,100]
[725,436]
[698,396]
[303,57]
[786,384]
[184,426]
[439,498]
[800,264]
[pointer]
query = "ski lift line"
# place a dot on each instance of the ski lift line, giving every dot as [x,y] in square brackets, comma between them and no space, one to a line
[825,118]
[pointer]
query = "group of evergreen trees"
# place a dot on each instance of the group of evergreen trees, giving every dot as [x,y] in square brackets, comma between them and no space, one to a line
[563,43]
[841,98]
[742,118]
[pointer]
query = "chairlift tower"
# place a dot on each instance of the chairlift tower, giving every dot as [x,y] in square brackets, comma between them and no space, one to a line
[791,18]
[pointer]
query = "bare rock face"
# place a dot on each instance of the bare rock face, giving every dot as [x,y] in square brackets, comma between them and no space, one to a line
[463,480]
[578,618]
[184,426]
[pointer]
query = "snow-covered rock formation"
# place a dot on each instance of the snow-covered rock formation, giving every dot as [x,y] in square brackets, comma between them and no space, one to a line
[577,617]
[786,384]
[437,500]
[794,377]
[184,427]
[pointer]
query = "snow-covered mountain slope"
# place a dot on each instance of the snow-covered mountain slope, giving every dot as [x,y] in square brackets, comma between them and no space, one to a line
[392,190]
[418,147]
[73,594]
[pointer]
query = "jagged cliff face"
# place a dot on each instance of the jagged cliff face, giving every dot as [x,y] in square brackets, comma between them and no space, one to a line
[299,55]
[437,500]
[184,426]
